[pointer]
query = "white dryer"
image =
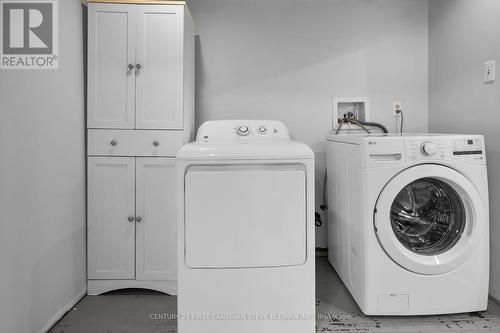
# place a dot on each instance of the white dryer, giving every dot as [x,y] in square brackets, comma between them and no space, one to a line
[246,230]
[408,221]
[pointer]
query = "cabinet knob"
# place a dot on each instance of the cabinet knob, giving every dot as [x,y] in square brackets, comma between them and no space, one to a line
[156,143]
[138,219]
[138,66]
[131,219]
[130,67]
[113,142]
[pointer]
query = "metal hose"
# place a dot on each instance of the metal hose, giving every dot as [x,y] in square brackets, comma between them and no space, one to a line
[356,122]
[324,206]
[367,123]
[339,128]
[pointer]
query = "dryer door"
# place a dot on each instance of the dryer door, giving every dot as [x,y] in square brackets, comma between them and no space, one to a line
[429,219]
[241,216]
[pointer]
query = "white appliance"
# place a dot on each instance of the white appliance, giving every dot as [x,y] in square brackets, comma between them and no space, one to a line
[246,230]
[408,221]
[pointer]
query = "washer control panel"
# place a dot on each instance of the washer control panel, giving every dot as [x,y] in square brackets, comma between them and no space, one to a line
[465,148]
[393,149]
[468,147]
[428,148]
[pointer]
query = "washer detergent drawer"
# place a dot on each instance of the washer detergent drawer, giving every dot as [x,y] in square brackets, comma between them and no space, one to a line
[245,216]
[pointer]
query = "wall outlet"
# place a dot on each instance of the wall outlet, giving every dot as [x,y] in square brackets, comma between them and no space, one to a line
[489,71]
[397,106]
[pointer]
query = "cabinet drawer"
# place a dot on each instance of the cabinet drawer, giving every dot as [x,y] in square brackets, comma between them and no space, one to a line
[134,142]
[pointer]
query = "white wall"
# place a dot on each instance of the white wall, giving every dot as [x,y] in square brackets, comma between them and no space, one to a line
[42,184]
[287,59]
[463,34]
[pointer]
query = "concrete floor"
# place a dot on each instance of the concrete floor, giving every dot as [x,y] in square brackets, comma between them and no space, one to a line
[135,311]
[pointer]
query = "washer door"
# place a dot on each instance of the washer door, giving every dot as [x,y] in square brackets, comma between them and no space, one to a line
[428,219]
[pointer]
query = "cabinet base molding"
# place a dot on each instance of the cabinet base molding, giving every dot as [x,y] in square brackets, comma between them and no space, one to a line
[97,287]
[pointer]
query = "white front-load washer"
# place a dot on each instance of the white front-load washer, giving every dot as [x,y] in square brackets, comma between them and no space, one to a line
[246,230]
[408,221]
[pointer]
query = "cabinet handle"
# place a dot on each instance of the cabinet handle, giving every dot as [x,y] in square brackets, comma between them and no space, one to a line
[156,143]
[130,67]
[138,66]
[138,219]
[113,142]
[131,219]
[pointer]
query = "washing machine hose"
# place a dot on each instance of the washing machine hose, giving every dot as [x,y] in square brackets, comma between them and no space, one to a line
[367,123]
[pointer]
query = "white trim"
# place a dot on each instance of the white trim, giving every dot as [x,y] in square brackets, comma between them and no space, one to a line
[494,299]
[97,287]
[52,321]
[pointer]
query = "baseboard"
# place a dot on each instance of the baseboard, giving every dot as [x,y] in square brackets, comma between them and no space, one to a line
[321,252]
[494,299]
[63,311]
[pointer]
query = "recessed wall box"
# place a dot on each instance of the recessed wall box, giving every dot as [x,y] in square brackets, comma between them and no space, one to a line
[359,106]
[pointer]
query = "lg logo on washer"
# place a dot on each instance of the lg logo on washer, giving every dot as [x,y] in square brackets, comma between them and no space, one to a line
[29,34]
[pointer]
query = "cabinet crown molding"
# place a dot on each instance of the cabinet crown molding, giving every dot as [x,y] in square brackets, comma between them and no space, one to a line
[138,2]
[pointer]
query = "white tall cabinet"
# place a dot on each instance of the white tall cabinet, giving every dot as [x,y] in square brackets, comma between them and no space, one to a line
[140,111]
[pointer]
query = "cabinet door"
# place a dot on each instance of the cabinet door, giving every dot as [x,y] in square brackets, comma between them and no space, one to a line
[159,82]
[156,241]
[111,50]
[111,218]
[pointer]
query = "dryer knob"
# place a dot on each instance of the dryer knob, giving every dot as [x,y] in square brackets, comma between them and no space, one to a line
[243,131]
[428,148]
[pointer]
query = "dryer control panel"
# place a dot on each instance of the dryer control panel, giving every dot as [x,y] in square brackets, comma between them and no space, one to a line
[242,130]
[247,130]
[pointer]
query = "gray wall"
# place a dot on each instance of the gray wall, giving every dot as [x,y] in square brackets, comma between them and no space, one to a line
[463,35]
[287,59]
[42,184]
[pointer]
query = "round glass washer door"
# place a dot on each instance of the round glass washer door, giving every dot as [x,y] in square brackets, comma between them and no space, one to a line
[428,219]
[428,216]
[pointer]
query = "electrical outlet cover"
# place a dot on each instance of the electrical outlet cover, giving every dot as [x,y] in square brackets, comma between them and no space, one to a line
[397,106]
[489,71]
